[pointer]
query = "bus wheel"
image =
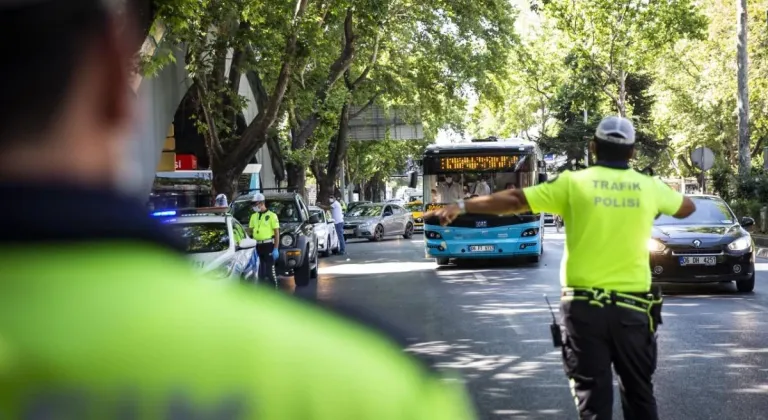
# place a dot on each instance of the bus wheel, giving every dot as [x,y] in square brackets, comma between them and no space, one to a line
[442,261]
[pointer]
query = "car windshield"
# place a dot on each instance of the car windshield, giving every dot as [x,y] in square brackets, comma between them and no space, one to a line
[709,211]
[317,212]
[414,207]
[286,211]
[365,211]
[202,237]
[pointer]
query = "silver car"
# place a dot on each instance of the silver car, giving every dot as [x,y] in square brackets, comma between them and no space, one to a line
[377,220]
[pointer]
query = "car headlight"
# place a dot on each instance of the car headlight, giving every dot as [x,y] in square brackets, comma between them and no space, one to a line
[740,244]
[286,240]
[366,225]
[654,245]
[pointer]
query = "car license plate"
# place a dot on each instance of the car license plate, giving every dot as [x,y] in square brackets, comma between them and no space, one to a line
[698,260]
[349,231]
[481,248]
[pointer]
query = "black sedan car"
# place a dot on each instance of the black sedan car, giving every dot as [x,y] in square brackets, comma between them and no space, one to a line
[708,246]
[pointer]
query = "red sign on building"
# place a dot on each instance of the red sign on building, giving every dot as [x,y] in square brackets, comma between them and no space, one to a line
[186,162]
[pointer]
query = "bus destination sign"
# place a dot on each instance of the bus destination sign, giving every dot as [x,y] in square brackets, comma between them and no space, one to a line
[478,163]
[435,206]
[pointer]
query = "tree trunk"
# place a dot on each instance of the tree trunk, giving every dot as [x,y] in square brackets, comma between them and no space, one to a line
[276,158]
[621,104]
[224,182]
[742,98]
[297,178]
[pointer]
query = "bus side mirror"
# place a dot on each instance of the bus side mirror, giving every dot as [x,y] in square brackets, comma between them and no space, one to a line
[414,179]
[542,178]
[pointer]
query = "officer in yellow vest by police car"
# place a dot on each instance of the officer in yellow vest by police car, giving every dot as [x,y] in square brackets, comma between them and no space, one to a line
[609,312]
[265,229]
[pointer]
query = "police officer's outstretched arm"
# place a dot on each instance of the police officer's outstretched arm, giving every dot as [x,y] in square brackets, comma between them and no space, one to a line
[551,197]
[673,203]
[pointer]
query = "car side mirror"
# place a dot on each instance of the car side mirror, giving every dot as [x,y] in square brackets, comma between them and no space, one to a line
[247,243]
[747,221]
[314,219]
[542,178]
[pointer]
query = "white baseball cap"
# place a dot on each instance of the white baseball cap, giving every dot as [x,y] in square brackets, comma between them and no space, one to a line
[258,198]
[616,130]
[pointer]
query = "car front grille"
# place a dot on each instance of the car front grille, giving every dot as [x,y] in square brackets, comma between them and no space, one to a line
[697,251]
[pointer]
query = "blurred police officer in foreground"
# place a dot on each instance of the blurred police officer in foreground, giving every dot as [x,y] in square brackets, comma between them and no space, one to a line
[265,229]
[100,315]
[609,312]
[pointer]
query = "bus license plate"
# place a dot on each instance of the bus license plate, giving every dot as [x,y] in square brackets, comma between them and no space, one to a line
[698,261]
[481,248]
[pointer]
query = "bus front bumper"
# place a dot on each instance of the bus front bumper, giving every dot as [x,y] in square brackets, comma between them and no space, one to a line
[483,249]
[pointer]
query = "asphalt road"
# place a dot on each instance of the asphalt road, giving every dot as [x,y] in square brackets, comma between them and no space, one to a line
[490,324]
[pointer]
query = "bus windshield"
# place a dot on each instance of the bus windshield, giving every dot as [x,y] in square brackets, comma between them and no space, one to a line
[450,187]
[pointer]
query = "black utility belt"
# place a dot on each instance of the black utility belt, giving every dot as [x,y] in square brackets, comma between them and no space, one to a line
[639,301]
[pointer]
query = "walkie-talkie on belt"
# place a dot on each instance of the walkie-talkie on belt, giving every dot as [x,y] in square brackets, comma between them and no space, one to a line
[554,329]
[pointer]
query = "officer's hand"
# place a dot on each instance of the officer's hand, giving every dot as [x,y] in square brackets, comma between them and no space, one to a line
[446,214]
[275,254]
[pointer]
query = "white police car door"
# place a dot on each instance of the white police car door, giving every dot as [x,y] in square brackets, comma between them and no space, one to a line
[244,258]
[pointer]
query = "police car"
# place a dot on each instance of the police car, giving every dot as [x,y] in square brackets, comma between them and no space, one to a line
[217,244]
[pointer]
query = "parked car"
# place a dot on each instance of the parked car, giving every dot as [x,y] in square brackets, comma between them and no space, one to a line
[375,221]
[325,229]
[298,241]
[217,244]
[549,219]
[417,212]
[708,246]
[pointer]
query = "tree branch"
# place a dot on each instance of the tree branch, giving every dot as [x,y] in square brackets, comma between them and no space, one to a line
[259,91]
[758,145]
[365,107]
[337,69]
[214,147]
[238,59]
[255,135]
[364,75]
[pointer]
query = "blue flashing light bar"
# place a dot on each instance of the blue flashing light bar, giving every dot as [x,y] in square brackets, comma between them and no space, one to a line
[164,213]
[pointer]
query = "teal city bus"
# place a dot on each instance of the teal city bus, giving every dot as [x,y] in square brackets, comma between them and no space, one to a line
[460,170]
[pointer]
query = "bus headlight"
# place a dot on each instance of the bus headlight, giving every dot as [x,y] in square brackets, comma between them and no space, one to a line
[434,235]
[286,240]
[654,245]
[740,244]
[530,232]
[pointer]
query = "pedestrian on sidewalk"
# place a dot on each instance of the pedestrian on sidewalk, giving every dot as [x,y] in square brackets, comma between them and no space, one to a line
[608,311]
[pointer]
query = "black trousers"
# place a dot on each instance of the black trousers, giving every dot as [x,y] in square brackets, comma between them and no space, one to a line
[266,272]
[594,338]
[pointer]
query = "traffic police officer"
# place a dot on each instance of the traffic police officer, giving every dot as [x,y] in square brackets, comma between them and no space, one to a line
[265,229]
[101,313]
[608,311]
